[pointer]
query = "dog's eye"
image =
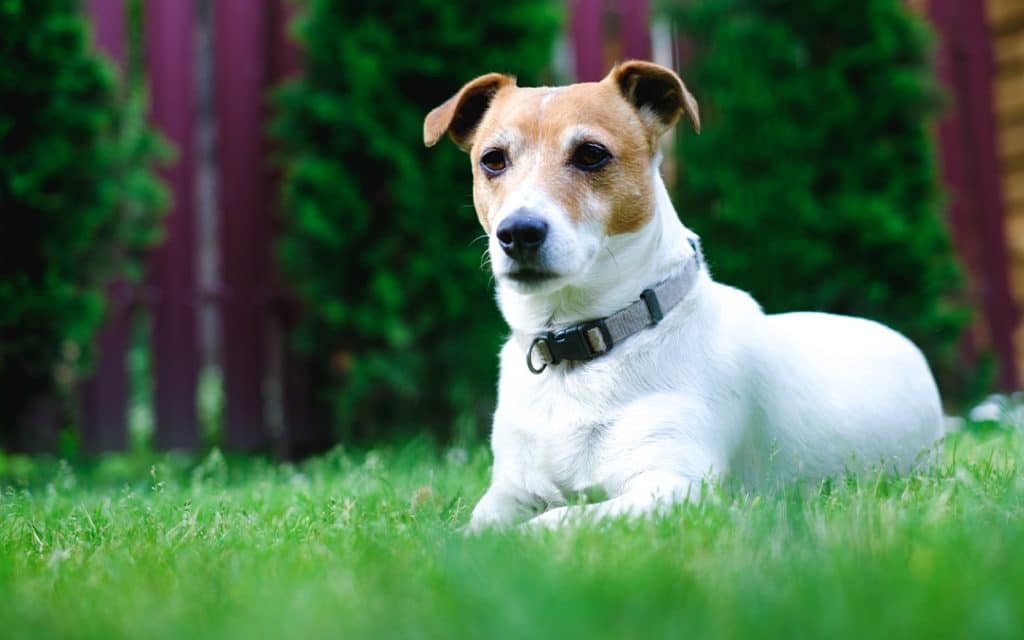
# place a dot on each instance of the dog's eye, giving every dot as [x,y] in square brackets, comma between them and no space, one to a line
[494,162]
[590,156]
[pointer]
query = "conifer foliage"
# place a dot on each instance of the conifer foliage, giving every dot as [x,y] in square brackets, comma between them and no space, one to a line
[813,182]
[77,199]
[378,238]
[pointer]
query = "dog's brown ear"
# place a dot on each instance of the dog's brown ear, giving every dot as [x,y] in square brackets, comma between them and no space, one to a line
[459,115]
[657,93]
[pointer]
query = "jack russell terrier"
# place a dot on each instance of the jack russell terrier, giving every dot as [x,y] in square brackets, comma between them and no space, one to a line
[631,377]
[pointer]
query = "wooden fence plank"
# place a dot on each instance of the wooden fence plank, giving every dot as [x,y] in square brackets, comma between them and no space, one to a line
[1017,279]
[241,71]
[1003,12]
[1009,50]
[636,29]
[588,39]
[1010,96]
[970,166]
[1011,143]
[1015,237]
[1013,187]
[605,33]
[173,290]
[108,21]
[1015,211]
[103,397]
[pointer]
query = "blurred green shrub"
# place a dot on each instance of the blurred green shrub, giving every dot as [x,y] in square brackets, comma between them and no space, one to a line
[813,182]
[77,199]
[378,240]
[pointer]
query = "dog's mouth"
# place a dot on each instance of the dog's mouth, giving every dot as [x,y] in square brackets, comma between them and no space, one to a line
[528,275]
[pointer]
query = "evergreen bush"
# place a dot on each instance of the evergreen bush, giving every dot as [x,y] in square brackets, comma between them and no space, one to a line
[378,231]
[813,182]
[77,200]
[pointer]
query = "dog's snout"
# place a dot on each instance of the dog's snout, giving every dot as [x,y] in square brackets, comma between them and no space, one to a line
[521,235]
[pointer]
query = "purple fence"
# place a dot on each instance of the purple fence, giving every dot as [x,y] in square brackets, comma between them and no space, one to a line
[242,68]
[173,289]
[104,398]
[251,53]
[606,32]
[970,166]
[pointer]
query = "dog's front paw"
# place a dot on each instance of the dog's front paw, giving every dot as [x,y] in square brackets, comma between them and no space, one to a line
[477,526]
[488,516]
[549,520]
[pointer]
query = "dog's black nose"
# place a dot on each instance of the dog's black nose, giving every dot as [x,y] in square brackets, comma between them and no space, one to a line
[520,236]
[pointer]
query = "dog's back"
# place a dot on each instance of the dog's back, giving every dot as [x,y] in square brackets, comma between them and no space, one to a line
[840,393]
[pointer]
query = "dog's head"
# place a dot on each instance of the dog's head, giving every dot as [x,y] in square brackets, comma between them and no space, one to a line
[558,171]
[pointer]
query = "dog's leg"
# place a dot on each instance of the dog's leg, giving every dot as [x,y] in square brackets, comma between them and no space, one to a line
[645,494]
[501,506]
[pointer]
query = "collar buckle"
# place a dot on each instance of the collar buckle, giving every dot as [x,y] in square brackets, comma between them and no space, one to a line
[581,342]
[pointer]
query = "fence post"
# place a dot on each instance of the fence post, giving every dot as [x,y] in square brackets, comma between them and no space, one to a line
[636,29]
[170,62]
[971,172]
[103,398]
[588,39]
[606,32]
[242,69]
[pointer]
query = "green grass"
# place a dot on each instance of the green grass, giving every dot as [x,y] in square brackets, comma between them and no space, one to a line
[352,546]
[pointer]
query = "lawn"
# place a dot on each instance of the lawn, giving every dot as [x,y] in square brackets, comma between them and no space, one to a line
[369,545]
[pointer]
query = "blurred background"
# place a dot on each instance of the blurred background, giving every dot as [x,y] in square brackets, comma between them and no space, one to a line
[220,226]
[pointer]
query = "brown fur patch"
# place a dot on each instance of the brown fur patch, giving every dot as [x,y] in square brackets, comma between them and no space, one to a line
[540,128]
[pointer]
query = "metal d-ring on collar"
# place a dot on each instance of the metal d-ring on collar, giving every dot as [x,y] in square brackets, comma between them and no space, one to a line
[539,340]
[583,341]
[588,340]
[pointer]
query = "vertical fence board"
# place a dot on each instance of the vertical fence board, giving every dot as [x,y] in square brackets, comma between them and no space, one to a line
[971,170]
[636,29]
[588,39]
[108,22]
[241,34]
[170,61]
[605,32]
[103,398]
[1002,315]
[953,150]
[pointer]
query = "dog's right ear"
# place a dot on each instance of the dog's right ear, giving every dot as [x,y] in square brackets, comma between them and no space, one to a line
[459,115]
[657,93]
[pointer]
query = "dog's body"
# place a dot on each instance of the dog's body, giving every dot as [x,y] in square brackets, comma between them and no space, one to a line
[579,224]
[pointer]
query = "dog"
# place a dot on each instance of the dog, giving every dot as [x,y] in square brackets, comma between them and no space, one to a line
[632,380]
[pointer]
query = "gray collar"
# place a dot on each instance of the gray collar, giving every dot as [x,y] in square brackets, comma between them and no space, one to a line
[594,338]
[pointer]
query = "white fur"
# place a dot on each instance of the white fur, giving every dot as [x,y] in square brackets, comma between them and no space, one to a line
[716,390]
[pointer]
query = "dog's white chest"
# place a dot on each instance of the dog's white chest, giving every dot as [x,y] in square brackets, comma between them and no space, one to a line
[572,448]
[564,426]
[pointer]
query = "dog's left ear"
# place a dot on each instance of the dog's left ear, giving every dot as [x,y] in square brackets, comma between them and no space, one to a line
[657,93]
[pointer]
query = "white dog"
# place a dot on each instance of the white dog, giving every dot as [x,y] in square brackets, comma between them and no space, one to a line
[631,377]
